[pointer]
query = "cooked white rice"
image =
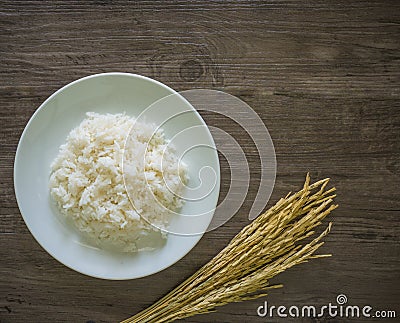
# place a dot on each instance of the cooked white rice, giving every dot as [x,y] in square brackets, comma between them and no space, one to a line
[87,181]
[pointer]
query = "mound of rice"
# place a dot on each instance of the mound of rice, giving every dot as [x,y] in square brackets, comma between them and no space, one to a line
[87,181]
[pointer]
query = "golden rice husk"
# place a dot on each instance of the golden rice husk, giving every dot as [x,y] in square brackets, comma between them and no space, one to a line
[261,250]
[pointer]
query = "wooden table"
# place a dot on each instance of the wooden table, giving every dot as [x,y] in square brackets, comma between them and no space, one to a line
[323,76]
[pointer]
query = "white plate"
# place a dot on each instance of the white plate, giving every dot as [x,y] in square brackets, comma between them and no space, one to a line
[39,144]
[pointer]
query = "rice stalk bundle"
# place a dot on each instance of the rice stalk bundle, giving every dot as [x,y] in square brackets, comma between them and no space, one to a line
[269,245]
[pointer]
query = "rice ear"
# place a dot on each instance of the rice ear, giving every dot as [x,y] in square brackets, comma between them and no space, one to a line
[261,250]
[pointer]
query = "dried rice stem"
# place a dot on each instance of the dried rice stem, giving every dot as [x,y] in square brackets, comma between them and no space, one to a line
[261,250]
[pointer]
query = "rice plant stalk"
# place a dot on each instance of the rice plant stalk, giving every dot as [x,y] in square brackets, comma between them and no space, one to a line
[269,245]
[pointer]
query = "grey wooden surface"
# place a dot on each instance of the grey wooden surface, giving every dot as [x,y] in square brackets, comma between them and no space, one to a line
[323,76]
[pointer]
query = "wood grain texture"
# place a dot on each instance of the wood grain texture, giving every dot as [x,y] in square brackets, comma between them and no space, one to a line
[324,77]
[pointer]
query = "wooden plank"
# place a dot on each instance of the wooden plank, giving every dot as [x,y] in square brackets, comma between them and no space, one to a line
[323,76]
